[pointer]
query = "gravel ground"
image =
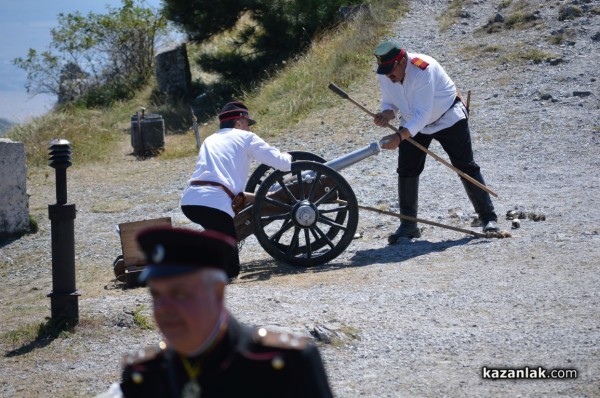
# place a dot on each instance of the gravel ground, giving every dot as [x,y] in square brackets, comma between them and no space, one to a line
[420,318]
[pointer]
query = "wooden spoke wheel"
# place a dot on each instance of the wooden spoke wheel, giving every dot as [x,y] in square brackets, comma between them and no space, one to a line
[306,216]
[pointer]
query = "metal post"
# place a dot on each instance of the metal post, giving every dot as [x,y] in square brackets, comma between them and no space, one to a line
[64,295]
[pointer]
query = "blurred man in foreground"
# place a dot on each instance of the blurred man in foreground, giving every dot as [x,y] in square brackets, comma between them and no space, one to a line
[206,351]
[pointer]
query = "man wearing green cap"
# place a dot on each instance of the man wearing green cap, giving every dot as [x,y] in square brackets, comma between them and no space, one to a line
[417,88]
[206,352]
[222,170]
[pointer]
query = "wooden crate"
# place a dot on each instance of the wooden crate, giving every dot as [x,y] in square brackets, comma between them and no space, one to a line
[134,259]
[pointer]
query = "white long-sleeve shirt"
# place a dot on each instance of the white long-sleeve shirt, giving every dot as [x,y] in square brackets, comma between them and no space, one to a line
[423,99]
[225,157]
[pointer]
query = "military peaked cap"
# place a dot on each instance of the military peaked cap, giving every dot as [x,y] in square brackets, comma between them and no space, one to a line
[173,251]
[388,54]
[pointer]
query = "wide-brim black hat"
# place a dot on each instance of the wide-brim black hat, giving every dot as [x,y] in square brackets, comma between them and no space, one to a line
[174,251]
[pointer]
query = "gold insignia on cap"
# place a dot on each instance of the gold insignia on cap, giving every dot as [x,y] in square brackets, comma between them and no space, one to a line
[137,378]
[158,253]
[162,345]
[278,363]
[262,332]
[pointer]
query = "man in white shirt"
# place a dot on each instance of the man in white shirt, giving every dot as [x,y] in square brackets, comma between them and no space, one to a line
[418,88]
[222,170]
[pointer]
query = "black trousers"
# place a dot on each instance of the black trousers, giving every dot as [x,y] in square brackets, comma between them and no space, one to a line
[456,141]
[216,220]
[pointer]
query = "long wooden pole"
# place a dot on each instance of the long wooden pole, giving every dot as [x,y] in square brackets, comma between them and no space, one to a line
[415,219]
[467,177]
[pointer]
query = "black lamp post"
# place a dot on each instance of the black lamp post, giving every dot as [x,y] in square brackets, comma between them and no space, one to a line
[64,295]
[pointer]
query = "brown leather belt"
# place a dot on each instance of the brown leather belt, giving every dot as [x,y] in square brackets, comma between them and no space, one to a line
[214,184]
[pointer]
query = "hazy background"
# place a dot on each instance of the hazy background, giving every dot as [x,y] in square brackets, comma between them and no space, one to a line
[26,24]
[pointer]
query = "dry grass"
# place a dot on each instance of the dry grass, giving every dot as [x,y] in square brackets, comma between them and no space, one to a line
[451,14]
[91,133]
[525,53]
[519,53]
[521,14]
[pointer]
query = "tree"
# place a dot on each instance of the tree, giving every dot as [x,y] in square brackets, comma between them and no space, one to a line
[108,55]
[279,29]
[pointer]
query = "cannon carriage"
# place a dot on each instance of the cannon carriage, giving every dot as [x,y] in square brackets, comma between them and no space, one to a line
[306,216]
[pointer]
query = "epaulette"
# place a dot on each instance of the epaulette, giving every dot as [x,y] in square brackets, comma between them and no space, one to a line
[143,355]
[418,62]
[279,339]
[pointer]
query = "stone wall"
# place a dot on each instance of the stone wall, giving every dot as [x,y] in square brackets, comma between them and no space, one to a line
[173,71]
[14,202]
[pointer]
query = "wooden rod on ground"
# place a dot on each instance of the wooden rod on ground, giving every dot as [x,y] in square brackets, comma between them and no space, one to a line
[467,177]
[415,219]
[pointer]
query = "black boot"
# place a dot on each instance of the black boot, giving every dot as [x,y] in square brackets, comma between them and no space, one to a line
[482,203]
[408,196]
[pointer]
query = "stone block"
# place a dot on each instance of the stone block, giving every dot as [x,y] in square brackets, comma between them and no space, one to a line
[14,201]
[173,71]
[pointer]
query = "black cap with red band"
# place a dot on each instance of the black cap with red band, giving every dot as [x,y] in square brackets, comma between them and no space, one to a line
[235,110]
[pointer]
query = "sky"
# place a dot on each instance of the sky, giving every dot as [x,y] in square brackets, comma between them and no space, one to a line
[26,24]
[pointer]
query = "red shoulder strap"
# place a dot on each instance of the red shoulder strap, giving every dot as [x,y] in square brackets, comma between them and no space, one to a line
[419,63]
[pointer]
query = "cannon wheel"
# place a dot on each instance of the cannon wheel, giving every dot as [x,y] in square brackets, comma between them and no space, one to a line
[308,227]
[261,172]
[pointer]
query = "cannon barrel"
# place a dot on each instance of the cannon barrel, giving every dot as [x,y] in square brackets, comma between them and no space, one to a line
[337,164]
[354,157]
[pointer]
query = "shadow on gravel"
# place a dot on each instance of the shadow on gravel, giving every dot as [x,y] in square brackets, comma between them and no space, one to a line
[45,333]
[262,270]
[7,240]
[405,250]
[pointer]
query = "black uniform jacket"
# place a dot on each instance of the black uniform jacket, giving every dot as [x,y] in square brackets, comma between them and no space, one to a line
[245,363]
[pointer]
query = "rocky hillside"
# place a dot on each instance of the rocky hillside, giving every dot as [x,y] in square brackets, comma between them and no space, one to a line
[417,319]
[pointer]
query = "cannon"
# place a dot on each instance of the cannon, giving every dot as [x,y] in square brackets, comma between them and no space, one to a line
[306,216]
